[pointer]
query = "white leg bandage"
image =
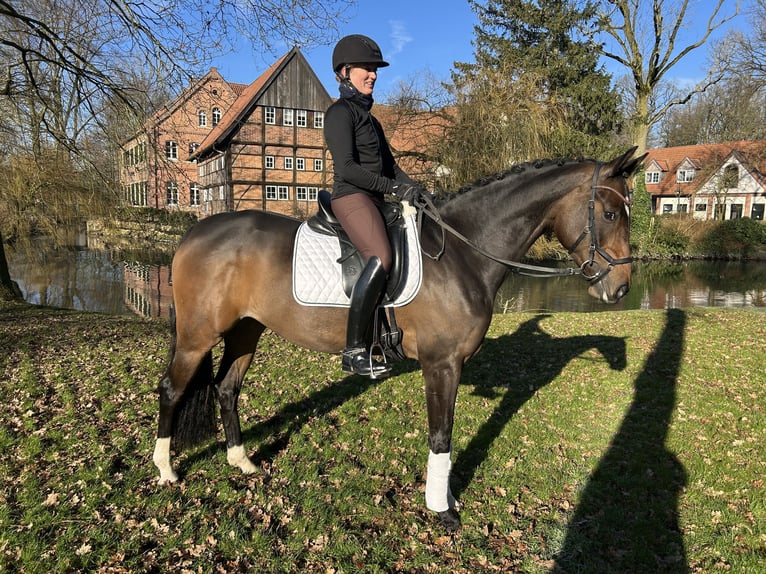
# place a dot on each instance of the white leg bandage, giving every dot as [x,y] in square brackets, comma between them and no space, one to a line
[162,461]
[438,495]
[236,456]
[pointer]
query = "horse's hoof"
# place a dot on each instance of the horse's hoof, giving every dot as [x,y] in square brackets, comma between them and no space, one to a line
[449,519]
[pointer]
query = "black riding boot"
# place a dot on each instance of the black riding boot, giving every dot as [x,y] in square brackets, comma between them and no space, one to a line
[364,299]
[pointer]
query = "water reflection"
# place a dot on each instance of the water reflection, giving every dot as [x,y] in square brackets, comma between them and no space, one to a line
[656,285]
[147,289]
[138,283]
[93,280]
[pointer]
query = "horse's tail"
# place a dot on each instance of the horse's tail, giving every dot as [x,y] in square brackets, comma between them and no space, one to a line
[194,418]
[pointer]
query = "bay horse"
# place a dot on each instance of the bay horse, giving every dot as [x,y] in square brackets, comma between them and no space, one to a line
[232,278]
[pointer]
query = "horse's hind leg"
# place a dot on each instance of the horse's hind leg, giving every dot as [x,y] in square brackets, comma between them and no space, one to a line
[239,345]
[183,368]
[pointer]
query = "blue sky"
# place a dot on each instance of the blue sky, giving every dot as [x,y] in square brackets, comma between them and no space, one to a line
[418,36]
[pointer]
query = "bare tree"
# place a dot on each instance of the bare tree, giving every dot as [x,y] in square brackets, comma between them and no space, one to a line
[644,37]
[734,109]
[743,54]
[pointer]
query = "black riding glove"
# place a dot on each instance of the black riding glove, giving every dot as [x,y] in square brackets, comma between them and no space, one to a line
[408,192]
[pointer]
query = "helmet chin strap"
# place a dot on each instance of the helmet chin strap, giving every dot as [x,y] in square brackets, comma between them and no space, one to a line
[345,80]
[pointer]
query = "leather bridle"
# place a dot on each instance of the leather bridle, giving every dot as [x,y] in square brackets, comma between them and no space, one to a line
[594,244]
[426,207]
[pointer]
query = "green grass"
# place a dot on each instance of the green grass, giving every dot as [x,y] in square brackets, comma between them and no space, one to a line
[602,442]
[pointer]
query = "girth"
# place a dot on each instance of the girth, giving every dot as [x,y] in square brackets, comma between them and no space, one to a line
[351,261]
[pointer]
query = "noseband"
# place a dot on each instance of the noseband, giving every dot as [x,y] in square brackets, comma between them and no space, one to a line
[425,206]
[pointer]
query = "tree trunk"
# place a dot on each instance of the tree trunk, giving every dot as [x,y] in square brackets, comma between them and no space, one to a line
[9,290]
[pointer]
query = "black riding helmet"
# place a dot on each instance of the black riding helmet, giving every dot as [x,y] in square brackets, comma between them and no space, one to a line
[356,49]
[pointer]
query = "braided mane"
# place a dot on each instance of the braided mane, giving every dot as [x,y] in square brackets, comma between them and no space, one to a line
[514,170]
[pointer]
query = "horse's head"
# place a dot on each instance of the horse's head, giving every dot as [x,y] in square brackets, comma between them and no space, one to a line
[596,227]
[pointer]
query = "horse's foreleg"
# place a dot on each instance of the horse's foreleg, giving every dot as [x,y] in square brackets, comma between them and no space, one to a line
[240,345]
[441,392]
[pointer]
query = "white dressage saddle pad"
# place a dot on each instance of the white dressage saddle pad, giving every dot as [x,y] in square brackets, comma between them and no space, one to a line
[317,279]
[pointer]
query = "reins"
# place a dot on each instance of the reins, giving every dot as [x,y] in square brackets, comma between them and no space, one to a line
[425,206]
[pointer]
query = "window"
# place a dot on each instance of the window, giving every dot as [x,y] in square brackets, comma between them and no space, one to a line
[319,119]
[301,118]
[730,177]
[171,149]
[171,191]
[283,193]
[208,195]
[318,165]
[652,177]
[287,117]
[268,162]
[271,192]
[216,116]
[288,163]
[700,207]
[269,115]
[194,194]
[135,155]
[202,118]
[300,163]
[757,211]
[306,193]
[136,193]
[736,211]
[685,175]
[667,208]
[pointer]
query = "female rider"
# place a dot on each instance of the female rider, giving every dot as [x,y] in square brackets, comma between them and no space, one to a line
[364,171]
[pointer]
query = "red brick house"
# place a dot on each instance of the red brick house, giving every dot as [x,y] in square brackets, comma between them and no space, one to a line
[268,151]
[155,166]
[722,181]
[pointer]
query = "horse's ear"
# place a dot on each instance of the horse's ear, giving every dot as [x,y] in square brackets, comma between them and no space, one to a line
[626,165]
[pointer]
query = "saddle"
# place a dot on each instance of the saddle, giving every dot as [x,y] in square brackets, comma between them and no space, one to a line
[351,261]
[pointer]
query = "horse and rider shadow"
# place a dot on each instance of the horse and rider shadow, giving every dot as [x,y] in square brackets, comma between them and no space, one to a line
[630,499]
[627,518]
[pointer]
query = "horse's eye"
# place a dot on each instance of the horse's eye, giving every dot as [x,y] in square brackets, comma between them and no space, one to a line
[610,215]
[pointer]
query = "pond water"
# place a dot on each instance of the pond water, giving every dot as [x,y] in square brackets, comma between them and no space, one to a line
[93,280]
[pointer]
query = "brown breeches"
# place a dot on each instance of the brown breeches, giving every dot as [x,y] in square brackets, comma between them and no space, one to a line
[360,217]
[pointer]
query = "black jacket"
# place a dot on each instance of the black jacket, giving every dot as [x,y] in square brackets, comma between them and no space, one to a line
[362,160]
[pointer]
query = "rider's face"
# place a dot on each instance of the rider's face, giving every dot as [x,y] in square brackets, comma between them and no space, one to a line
[362,77]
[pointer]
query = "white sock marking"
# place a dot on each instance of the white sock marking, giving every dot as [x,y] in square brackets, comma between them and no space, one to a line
[236,456]
[438,495]
[162,461]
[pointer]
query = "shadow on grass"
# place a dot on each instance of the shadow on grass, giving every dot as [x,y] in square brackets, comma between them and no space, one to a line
[519,365]
[627,516]
[274,434]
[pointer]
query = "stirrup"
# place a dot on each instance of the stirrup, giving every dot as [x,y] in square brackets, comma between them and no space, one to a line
[359,361]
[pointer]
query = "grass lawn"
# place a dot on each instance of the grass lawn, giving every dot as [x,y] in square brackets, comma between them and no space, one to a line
[604,442]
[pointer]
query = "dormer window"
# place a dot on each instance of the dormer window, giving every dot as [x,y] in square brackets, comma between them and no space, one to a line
[653,177]
[730,177]
[685,175]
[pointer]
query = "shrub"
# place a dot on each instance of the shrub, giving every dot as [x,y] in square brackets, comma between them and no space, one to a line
[735,236]
[179,219]
[671,238]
